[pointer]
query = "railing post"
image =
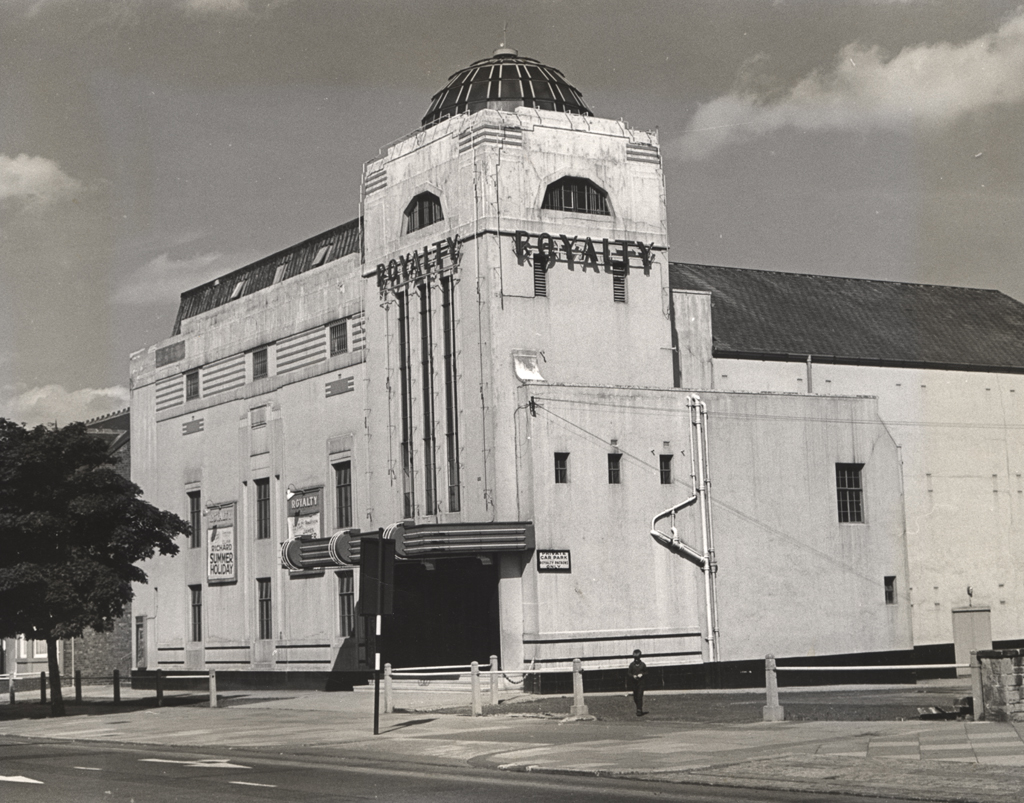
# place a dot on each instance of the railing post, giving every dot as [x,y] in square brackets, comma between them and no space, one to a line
[389,691]
[10,688]
[213,688]
[977,691]
[474,678]
[772,711]
[117,686]
[494,679]
[42,688]
[159,687]
[579,708]
[78,685]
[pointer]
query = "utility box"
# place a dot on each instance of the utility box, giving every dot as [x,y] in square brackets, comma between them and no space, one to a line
[972,630]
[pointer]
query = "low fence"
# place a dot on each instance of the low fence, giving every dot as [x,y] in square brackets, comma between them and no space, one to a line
[495,677]
[113,681]
[773,712]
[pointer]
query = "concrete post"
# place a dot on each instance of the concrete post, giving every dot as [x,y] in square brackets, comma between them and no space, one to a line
[772,711]
[117,686]
[474,679]
[389,691]
[978,704]
[213,688]
[42,688]
[159,687]
[78,685]
[495,677]
[10,688]
[579,708]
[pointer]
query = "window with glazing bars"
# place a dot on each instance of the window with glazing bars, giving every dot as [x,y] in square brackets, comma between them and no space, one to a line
[192,385]
[540,275]
[262,508]
[339,337]
[263,608]
[573,194]
[615,469]
[196,594]
[665,468]
[195,519]
[890,590]
[259,364]
[343,493]
[346,605]
[561,467]
[850,492]
[423,210]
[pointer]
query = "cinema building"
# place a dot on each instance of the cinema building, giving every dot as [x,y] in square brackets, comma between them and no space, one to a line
[579,447]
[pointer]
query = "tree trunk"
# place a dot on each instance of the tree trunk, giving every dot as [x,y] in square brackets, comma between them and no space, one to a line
[56,698]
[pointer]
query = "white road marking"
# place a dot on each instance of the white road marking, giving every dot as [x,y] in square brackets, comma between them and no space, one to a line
[215,763]
[248,783]
[94,769]
[18,779]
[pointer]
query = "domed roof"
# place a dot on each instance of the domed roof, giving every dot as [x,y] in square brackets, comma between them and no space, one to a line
[504,81]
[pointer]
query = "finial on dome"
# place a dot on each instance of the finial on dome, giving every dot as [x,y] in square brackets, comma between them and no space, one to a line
[506,51]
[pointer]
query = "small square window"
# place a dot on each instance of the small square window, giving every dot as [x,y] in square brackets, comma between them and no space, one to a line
[615,469]
[192,385]
[339,337]
[665,468]
[260,366]
[890,590]
[850,493]
[561,467]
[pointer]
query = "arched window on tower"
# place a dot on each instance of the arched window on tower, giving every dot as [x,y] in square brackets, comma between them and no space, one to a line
[423,210]
[574,194]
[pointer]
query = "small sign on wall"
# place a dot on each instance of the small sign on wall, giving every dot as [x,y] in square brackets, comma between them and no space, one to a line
[554,560]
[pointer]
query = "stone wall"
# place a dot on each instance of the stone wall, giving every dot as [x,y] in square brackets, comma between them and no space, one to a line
[1002,682]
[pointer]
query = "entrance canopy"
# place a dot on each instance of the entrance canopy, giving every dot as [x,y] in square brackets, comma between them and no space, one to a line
[412,542]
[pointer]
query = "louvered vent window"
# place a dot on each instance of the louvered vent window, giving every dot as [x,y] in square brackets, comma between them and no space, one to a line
[540,275]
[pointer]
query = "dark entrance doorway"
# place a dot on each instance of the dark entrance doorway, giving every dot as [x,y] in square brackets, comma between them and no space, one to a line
[443,616]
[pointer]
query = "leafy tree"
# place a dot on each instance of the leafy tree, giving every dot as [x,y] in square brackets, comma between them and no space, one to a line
[71,531]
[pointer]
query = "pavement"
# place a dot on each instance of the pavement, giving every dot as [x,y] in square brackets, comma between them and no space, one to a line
[912,759]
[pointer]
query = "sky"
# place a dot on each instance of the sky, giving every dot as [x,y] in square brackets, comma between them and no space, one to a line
[148,146]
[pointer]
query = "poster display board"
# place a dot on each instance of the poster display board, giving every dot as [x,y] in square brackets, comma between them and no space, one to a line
[221,566]
[305,514]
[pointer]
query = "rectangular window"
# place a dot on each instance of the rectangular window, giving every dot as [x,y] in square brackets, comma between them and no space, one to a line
[262,508]
[405,389]
[192,385]
[561,467]
[343,494]
[665,468]
[195,519]
[540,275]
[849,492]
[451,394]
[259,364]
[615,469]
[264,610]
[39,648]
[339,337]
[196,593]
[427,385]
[890,590]
[346,605]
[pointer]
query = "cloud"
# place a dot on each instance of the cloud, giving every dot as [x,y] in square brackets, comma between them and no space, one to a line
[50,403]
[923,85]
[34,181]
[163,279]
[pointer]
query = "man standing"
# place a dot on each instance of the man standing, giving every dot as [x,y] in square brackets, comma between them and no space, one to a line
[636,678]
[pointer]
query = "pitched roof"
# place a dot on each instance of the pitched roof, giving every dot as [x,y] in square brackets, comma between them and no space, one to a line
[762,314]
